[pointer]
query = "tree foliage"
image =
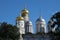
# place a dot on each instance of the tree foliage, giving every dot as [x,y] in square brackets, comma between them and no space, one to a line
[8,32]
[54,25]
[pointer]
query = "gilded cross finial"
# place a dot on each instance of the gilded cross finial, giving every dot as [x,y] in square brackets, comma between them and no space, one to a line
[25,6]
[40,14]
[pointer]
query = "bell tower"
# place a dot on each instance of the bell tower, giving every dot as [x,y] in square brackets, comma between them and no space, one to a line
[28,23]
[25,13]
[41,25]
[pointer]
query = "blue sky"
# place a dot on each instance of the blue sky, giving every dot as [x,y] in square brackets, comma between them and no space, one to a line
[10,9]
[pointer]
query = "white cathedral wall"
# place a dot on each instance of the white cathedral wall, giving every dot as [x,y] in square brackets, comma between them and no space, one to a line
[20,25]
[42,27]
[26,18]
[46,29]
[31,29]
[37,26]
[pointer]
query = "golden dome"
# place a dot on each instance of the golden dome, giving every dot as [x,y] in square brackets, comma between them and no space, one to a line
[19,18]
[25,11]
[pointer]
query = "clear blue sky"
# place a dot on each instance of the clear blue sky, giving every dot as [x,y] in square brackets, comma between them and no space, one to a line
[9,9]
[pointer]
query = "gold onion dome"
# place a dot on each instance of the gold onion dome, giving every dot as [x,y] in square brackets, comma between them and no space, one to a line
[25,10]
[19,18]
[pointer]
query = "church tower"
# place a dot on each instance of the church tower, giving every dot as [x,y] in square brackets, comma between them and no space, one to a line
[23,22]
[20,24]
[29,27]
[25,13]
[41,25]
[28,23]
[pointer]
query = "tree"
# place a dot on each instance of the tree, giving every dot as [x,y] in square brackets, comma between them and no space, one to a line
[8,31]
[54,25]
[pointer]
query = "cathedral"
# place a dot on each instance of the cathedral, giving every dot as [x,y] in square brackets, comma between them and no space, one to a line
[26,28]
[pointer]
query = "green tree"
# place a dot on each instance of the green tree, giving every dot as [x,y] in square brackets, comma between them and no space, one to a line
[8,31]
[54,23]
